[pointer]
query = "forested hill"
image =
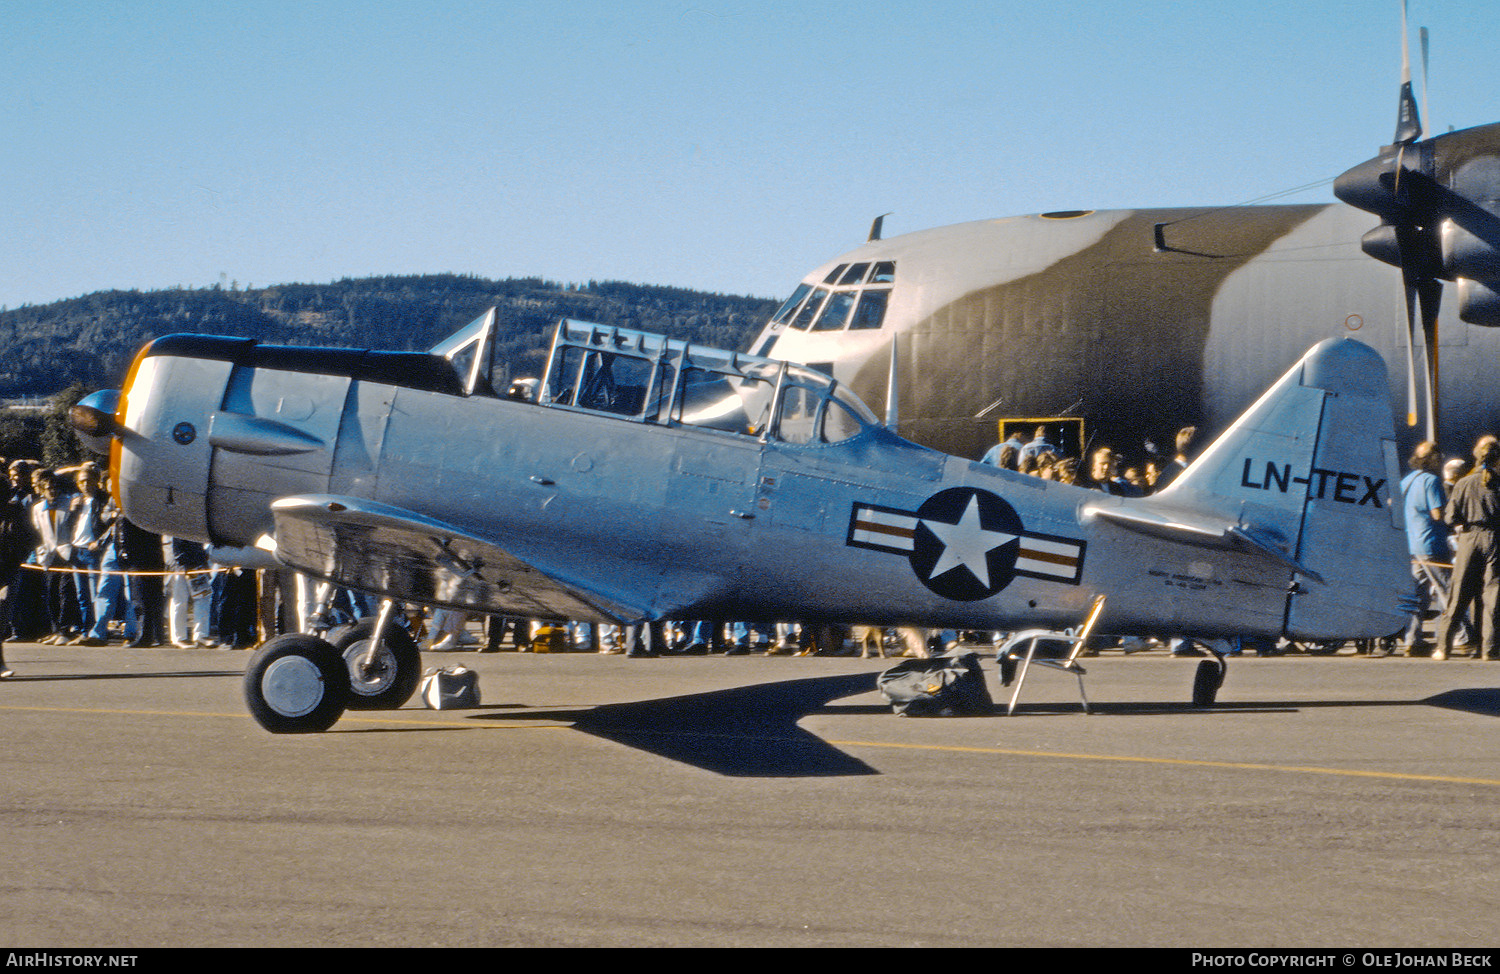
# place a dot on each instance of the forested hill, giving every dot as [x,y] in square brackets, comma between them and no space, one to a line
[91,340]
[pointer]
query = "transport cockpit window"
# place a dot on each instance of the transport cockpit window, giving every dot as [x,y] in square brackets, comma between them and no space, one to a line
[871,310]
[786,310]
[855,274]
[836,311]
[809,310]
[852,296]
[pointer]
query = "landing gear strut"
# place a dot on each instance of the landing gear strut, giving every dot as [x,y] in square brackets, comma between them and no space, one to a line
[383,674]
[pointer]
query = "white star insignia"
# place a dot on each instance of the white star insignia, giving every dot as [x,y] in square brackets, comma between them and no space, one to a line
[966,544]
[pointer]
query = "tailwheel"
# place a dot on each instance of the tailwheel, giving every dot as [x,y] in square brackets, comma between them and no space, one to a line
[296,684]
[1207,680]
[387,681]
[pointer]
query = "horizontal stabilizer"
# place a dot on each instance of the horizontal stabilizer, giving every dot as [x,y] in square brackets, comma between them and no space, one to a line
[405,556]
[1207,531]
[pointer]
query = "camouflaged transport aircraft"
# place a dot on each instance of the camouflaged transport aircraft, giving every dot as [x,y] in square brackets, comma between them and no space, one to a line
[1144,321]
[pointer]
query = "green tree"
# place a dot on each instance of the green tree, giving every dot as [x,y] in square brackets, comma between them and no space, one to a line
[60,447]
[20,435]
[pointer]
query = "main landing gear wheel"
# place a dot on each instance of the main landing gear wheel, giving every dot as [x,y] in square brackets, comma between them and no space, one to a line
[296,684]
[1206,682]
[388,682]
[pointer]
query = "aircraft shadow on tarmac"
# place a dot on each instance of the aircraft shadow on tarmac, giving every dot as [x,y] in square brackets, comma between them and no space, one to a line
[746,732]
[752,731]
[1474,700]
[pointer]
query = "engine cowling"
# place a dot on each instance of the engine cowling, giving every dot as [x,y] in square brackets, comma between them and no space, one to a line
[1440,199]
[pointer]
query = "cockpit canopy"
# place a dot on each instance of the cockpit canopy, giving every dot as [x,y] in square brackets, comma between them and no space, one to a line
[653,379]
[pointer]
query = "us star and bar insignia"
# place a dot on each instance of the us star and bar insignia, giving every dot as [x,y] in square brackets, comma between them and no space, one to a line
[966,544]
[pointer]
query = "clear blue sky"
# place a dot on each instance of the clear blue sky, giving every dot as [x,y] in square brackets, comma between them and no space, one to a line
[705,144]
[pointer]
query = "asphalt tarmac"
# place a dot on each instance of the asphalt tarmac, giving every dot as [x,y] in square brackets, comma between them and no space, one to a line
[752,801]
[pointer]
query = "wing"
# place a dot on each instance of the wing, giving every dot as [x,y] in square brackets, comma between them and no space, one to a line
[397,553]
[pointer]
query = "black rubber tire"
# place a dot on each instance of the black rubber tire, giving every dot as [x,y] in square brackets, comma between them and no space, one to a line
[387,690]
[1206,681]
[296,684]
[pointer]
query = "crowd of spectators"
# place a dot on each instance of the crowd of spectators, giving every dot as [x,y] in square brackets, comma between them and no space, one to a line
[75,571]
[1453,537]
[1028,451]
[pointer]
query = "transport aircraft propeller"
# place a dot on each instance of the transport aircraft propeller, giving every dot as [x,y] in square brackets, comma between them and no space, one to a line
[1438,202]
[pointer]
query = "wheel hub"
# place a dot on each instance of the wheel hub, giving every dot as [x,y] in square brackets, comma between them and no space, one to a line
[368,680]
[292,686]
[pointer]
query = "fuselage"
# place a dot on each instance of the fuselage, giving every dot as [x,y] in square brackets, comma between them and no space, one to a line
[806,509]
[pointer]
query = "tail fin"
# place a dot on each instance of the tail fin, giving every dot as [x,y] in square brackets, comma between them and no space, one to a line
[1308,476]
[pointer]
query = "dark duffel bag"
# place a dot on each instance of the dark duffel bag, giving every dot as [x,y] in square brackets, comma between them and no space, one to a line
[945,686]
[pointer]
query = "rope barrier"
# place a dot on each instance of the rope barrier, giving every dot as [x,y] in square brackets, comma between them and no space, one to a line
[121,571]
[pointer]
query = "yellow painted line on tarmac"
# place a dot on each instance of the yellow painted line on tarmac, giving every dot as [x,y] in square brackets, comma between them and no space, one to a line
[466,724]
[351,718]
[109,710]
[1182,762]
[347,718]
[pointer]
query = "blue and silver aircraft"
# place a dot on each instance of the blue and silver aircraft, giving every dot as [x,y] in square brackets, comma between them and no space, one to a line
[649,479]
